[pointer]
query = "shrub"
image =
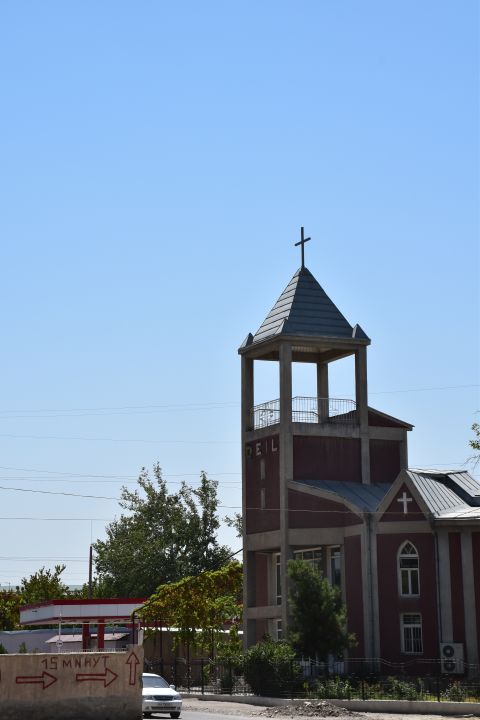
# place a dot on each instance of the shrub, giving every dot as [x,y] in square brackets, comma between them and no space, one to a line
[337,688]
[3,650]
[455,692]
[401,689]
[207,672]
[227,680]
[229,653]
[270,668]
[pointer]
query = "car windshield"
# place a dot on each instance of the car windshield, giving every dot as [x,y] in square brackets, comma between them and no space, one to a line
[152,681]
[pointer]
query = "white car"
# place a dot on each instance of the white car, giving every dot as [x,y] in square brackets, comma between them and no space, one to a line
[159,697]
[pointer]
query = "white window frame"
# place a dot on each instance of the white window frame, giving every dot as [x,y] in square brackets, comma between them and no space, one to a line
[277,580]
[412,642]
[316,563]
[278,629]
[333,552]
[409,573]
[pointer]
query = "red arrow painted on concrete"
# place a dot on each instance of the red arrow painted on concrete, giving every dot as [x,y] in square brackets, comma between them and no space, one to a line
[108,677]
[44,679]
[133,661]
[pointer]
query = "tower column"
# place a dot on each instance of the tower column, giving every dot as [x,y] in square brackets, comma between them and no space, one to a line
[247,420]
[361,391]
[322,391]
[443,578]
[404,452]
[247,394]
[469,597]
[286,468]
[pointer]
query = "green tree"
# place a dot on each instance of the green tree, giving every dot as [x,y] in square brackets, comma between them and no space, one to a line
[10,609]
[199,607]
[475,444]
[203,551]
[161,538]
[44,585]
[319,619]
[235,522]
[99,590]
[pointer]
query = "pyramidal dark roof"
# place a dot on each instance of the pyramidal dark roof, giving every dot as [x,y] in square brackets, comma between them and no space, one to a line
[305,309]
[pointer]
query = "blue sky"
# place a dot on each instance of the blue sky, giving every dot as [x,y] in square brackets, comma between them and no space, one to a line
[158,160]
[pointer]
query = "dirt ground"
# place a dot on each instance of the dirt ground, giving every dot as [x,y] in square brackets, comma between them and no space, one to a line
[216,707]
[316,709]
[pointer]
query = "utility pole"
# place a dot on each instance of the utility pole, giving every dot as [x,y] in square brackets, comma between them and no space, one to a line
[90,571]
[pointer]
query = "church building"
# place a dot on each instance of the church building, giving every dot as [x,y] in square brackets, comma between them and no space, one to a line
[327,480]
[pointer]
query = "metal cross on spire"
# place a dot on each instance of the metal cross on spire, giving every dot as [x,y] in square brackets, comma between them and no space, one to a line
[302,243]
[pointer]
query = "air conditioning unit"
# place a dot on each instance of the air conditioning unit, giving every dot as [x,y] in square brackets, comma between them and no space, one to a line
[451,658]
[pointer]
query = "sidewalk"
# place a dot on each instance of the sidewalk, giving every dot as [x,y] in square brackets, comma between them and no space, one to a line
[371,709]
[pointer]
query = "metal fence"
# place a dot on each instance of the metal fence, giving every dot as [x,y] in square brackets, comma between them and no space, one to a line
[307,410]
[365,680]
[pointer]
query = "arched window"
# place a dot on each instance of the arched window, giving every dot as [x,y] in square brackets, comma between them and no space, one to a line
[408,570]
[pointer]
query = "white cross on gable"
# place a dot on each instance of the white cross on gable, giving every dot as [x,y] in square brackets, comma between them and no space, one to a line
[405,500]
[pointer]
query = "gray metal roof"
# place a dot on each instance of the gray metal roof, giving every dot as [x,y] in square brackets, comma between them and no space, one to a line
[447,495]
[452,492]
[305,309]
[365,497]
[463,512]
[466,482]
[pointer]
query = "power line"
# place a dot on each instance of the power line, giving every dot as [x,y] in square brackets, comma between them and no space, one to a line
[332,512]
[425,389]
[56,519]
[119,477]
[72,414]
[109,497]
[225,484]
[203,405]
[118,440]
[60,472]
[51,492]
[168,406]
[44,559]
[68,494]
[134,478]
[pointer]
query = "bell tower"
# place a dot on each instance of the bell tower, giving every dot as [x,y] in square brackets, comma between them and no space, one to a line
[288,440]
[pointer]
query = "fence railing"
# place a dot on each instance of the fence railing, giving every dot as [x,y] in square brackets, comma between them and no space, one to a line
[307,410]
[357,680]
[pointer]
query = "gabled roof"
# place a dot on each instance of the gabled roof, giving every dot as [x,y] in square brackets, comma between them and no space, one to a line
[380,419]
[451,495]
[375,419]
[305,309]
